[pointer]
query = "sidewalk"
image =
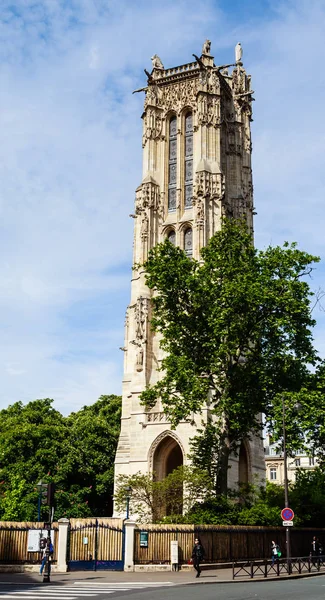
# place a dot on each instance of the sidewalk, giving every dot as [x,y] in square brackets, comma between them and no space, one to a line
[179,577]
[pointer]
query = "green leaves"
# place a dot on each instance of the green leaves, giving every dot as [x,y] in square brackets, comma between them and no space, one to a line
[236,327]
[76,452]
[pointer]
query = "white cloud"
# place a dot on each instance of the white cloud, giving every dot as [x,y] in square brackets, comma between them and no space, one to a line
[70,160]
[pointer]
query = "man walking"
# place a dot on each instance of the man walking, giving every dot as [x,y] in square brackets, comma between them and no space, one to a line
[197,556]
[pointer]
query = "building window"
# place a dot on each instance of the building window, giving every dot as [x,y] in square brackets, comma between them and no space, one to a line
[297,462]
[311,461]
[172,237]
[172,164]
[188,161]
[273,473]
[188,241]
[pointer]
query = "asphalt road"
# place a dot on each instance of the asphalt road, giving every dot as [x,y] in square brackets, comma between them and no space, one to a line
[311,588]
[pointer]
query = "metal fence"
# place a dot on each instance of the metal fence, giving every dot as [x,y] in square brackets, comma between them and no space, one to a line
[253,568]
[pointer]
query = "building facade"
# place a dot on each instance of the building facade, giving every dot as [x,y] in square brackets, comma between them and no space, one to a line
[196,170]
[274,463]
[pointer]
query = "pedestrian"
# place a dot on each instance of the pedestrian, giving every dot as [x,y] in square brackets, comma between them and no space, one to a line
[197,556]
[275,551]
[314,552]
[46,545]
[314,547]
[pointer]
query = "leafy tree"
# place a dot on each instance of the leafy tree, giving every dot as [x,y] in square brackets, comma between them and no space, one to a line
[88,460]
[150,499]
[236,329]
[75,452]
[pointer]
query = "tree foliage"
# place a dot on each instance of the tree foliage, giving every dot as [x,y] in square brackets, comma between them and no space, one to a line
[236,329]
[151,500]
[75,452]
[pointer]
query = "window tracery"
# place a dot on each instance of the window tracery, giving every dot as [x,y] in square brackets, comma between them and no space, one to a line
[188,161]
[188,241]
[172,164]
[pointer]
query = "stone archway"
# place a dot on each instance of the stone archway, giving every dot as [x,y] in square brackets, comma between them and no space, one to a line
[167,456]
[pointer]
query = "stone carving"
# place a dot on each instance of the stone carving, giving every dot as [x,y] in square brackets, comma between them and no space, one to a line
[209,110]
[206,47]
[141,311]
[139,359]
[200,212]
[156,62]
[156,417]
[152,125]
[238,52]
[147,197]
[180,94]
[144,226]
[209,185]
[141,316]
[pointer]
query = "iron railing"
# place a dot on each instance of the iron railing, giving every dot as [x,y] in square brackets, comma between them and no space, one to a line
[264,568]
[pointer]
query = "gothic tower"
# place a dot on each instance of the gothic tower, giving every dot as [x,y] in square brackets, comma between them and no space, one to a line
[196,169]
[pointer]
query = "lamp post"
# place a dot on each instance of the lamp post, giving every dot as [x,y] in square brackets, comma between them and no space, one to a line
[128,492]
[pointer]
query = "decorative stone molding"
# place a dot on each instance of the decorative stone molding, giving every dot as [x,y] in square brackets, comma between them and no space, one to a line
[156,442]
[209,185]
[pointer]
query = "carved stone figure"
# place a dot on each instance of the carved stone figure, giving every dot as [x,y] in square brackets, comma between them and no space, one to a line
[206,47]
[139,359]
[238,52]
[156,62]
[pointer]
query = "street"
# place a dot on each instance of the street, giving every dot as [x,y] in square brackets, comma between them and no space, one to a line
[312,588]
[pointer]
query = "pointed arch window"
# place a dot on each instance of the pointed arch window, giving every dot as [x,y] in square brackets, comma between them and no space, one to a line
[188,241]
[172,164]
[188,160]
[172,237]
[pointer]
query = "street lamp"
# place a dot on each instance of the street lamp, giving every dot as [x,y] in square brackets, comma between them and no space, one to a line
[128,490]
[297,407]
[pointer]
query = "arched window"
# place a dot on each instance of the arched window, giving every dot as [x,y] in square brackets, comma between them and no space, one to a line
[172,164]
[172,237]
[188,241]
[188,161]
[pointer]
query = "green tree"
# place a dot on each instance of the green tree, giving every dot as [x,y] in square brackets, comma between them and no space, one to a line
[87,466]
[75,452]
[236,329]
[150,499]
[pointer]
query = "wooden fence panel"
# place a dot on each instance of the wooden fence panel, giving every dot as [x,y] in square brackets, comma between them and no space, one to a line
[13,542]
[110,539]
[221,543]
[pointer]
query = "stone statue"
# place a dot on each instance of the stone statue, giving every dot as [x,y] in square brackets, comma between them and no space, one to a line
[156,62]
[238,52]
[206,47]
[139,360]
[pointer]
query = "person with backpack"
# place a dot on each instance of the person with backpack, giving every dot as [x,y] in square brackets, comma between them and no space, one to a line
[47,547]
[197,556]
[275,551]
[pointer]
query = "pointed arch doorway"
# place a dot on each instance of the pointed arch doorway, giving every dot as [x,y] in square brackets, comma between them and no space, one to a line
[167,457]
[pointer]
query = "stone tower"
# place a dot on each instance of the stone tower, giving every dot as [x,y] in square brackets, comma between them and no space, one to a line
[196,169]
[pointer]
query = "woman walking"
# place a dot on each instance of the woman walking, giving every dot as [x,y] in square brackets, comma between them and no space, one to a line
[197,556]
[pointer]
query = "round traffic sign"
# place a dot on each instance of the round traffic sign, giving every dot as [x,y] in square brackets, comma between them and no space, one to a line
[287,514]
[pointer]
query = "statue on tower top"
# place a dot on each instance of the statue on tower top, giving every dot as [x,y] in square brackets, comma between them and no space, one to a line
[156,62]
[238,53]
[206,47]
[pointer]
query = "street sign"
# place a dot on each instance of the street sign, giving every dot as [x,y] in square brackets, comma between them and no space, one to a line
[287,523]
[287,514]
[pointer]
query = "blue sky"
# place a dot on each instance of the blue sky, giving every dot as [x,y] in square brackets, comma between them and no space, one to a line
[70,160]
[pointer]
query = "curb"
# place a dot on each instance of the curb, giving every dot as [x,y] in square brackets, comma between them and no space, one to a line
[254,579]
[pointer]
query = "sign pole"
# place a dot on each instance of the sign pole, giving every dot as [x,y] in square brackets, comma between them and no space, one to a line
[286,494]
